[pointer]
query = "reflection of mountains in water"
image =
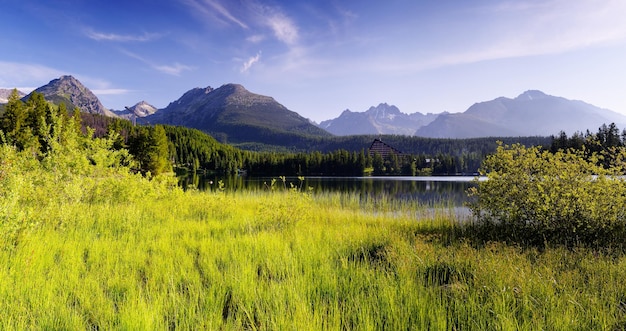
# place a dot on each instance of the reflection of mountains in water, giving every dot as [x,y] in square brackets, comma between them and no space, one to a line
[426,190]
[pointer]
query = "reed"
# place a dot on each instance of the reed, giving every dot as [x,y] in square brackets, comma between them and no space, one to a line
[288,260]
[102,248]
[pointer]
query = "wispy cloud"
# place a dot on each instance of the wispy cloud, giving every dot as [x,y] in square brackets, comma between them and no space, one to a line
[252,60]
[16,74]
[282,26]
[99,86]
[27,76]
[111,91]
[175,69]
[518,5]
[556,26]
[214,11]
[514,30]
[100,36]
[257,38]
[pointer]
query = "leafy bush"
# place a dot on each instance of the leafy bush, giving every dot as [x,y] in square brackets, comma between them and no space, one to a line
[538,197]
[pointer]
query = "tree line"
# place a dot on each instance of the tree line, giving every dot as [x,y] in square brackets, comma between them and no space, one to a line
[161,148]
[603,145]
[34,124]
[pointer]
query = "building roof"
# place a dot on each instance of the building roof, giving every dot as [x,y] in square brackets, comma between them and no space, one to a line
[384,149]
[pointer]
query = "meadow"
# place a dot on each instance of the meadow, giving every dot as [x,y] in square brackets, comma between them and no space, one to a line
[91,239]
[280,260]
[88,242]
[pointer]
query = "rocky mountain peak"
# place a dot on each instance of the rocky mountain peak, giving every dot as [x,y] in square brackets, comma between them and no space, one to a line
[532,95]
[231,112]
[140,109]
[73,93]
[143,109]
[384,111]
[381,119]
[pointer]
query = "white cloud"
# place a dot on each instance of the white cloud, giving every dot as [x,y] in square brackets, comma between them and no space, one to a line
[24,76]
[511,30]
[99,36]
[257,38]
[214,11]
[133,55]
[15,74]
[283,27]
[111,91]
[252,60]
[224,12]
[175,70]
[557,26]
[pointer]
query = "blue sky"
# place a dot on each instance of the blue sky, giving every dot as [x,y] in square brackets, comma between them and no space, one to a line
[319,58]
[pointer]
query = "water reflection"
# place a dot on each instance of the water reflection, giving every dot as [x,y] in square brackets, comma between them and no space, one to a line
[449,190]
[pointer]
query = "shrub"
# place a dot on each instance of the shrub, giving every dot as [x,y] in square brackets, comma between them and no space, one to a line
[538,197]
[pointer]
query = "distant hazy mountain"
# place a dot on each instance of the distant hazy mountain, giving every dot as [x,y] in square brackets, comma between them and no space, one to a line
[533,113]
[233,114]
[73,93]
[141,109]
[382,119]
[5,93]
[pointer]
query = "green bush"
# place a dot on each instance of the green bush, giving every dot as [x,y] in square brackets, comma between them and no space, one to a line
[538,197]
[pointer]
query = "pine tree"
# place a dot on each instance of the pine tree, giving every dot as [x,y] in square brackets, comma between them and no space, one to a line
[14,118]
[150,147]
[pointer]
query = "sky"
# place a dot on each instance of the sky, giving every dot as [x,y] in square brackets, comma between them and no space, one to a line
[318,58]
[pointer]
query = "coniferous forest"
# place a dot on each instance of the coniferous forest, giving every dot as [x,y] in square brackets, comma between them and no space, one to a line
[162,148]
[194,150]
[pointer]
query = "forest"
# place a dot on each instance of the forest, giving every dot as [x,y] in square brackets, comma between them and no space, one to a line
[193,150]
[162,148]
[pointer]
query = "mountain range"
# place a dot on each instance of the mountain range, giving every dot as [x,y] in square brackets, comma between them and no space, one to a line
[235,115]
[532,113]
[382,119]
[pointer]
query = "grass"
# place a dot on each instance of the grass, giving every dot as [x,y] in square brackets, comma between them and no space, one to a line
[288,261]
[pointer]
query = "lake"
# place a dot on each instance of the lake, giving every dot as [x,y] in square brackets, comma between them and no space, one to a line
[430,190]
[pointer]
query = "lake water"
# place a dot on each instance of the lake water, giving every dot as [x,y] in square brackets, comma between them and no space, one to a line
[431,190]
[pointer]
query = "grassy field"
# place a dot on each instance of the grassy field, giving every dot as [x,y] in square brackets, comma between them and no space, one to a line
[286,261]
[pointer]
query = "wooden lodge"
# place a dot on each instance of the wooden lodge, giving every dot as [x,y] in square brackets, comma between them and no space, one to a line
[378,146]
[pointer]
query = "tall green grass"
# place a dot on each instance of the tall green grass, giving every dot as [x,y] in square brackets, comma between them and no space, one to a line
[285,260]
[101,248]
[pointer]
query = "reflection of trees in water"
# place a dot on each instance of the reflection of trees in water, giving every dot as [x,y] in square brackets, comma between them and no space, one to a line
[427,192]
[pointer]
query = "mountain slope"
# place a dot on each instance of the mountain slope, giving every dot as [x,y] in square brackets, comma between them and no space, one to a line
[382,119]
[73,93]
[5,93]
[233,114]
[531,113]
[141,109]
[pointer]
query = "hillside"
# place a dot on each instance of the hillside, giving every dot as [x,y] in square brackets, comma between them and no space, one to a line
[533,113]
[72,93]
[233,114]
